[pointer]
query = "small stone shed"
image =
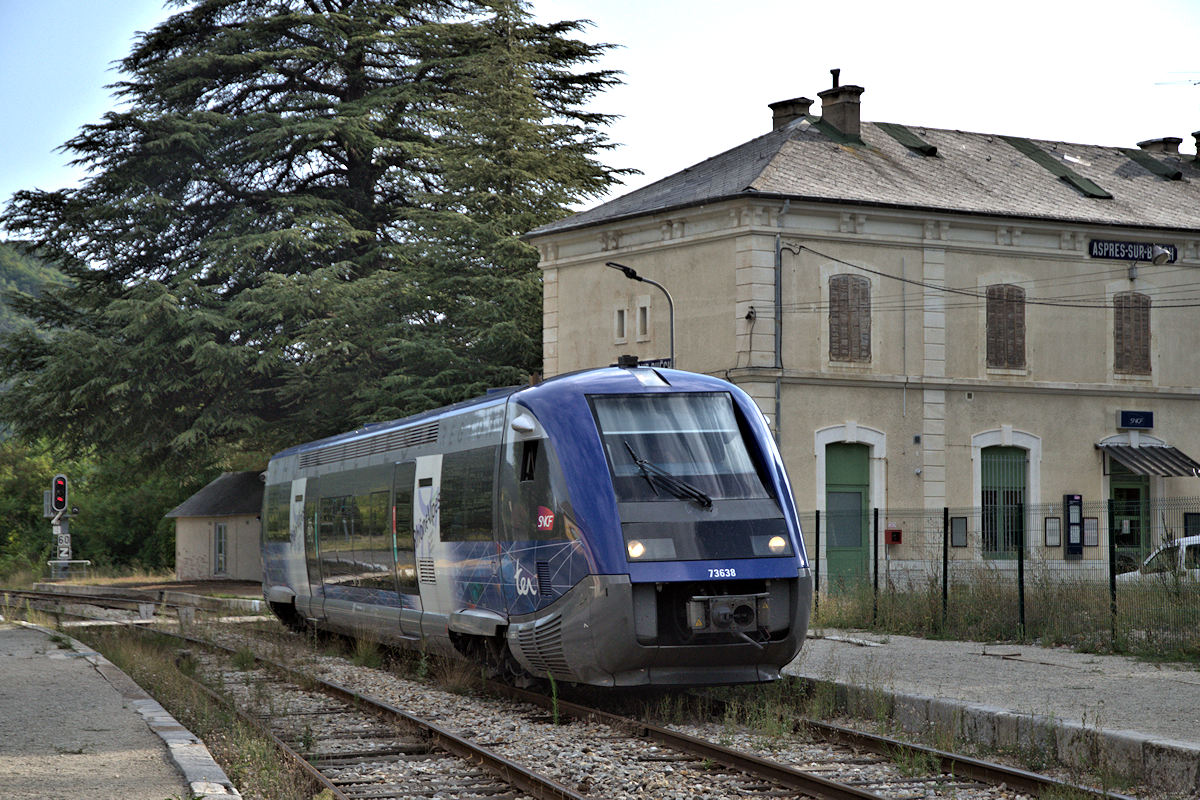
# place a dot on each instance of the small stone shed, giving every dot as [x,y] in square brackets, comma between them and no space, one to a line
[218,530]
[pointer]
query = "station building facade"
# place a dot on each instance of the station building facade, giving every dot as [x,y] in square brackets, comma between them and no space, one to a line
[928,318]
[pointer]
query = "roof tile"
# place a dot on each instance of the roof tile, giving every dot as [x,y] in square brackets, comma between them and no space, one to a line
[972,173]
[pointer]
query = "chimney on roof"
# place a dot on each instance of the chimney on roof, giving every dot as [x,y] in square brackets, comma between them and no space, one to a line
[1168,145]
[840,106]
[784,111]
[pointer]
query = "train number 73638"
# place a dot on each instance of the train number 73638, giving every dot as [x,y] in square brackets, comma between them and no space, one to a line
[728,572]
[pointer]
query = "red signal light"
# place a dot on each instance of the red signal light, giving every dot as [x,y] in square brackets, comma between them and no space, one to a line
[58,493]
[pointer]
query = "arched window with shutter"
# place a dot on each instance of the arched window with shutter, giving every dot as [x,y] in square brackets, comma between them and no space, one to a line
[849,318]
[1005,326]
[1131,333]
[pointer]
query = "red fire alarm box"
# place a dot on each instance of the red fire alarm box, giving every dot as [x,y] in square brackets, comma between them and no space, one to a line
[893,535]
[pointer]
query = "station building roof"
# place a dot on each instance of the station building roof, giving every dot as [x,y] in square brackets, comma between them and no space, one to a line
[808,158]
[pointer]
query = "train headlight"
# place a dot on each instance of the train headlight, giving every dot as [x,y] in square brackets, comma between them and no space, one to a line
[777,544]
[636,549]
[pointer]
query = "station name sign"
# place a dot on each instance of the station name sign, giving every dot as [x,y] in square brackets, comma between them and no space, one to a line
[1128,251]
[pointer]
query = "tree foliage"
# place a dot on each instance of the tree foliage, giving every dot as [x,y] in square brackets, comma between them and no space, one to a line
[305,216]
[121,507]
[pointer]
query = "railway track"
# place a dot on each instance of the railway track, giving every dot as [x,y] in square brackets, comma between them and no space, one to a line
[344,743]
[606,755]
[584,752]
[362,749]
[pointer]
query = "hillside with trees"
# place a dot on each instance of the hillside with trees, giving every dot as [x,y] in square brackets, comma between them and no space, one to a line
[20,274]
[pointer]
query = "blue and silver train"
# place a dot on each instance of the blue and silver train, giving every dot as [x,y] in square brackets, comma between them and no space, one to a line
[617,527]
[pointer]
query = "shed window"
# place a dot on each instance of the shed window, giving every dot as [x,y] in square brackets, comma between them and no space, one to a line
[849,318]
[1131,334]
[220,545]
[1005,326]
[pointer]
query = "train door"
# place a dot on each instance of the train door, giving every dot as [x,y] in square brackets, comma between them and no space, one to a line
[307,508]
[532,517]
[404,520]
[427,500]
[847,470]
[524,510]
[294,570]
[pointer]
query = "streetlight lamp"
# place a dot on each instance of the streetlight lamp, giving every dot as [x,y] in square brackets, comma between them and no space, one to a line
[631,273]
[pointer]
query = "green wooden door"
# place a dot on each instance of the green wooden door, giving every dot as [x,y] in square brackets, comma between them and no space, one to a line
[1003,478]
[847,506]
[1129,495]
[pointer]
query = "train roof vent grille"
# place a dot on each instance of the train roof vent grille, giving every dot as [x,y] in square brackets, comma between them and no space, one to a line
[426,433]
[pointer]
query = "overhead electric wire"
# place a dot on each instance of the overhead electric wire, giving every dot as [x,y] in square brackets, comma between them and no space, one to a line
[885,302]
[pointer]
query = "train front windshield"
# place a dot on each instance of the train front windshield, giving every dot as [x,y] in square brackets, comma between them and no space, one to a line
[665,450]
[692,437]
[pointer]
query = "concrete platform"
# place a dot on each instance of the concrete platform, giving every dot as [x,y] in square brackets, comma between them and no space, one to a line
[1104,713]
[72,725]
[222,596]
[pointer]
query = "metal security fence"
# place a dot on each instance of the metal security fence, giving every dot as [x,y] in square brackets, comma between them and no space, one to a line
[1060,573]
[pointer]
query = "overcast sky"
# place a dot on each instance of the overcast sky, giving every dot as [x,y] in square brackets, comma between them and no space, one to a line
[700,73]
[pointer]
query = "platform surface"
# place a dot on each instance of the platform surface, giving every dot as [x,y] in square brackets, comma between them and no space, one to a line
[1145,716]
[73,726]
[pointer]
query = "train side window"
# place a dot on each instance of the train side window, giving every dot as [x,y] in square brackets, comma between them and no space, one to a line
[277,527]
[402,518]
[529,460]
[333,539]
[466,495]
[373,551]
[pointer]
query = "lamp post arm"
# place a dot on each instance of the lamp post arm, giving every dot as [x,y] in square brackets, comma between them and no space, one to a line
[631,273]
[670,312]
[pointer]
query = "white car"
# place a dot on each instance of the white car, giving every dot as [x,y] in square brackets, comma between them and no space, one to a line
[1180,558]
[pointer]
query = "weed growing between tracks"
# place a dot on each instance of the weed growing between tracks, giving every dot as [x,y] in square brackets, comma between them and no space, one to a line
[159,666]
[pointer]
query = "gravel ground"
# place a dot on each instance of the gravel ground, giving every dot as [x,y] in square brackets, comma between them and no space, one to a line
[598,760]
[65,732]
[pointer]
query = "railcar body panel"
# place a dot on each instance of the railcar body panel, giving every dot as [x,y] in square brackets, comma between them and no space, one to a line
[613,527]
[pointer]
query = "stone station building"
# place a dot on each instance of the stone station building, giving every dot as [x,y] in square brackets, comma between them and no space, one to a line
[928,318]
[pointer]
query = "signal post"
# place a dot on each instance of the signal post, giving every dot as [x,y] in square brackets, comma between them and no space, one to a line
[56,509]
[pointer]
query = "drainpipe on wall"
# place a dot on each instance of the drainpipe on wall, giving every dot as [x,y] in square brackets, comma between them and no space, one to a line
[779,320]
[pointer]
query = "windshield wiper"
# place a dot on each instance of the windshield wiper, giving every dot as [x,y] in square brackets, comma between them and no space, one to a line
[680,488]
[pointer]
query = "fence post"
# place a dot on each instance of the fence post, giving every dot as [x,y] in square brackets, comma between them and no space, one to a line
[875,576]
[817,561]
[1112,575]
[1021,570]
[945,564]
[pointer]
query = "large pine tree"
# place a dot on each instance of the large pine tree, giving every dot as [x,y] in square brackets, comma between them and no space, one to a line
[305,216]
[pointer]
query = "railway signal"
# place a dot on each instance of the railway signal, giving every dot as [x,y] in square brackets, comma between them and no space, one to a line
[58,493]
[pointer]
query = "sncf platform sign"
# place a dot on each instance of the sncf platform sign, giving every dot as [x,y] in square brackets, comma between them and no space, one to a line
[1129,251]
[1135,420]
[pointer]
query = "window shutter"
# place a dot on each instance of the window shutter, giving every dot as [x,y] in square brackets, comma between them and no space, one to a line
[839,318]
[1005,326]
[1131,333]
[849,318]
[860,319]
